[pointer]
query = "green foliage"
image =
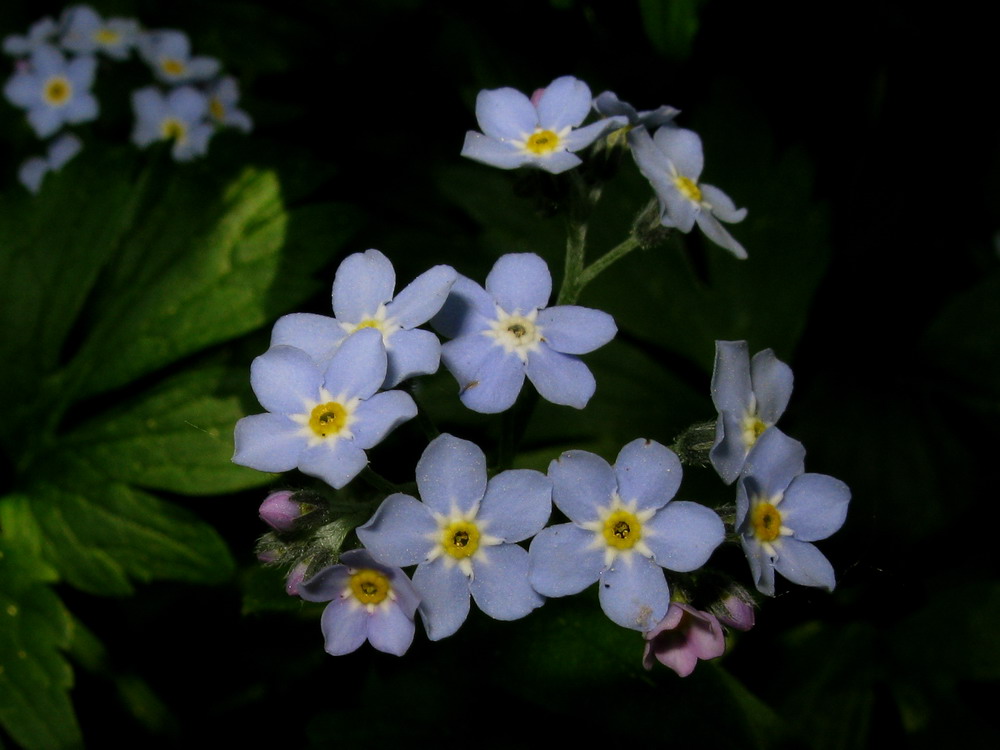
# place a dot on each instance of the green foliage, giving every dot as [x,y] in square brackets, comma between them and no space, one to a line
[671,25]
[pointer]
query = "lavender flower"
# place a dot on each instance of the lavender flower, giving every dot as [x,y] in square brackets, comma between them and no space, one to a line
[222,99]
[179,117]
[683,637]
[54,92]
[86,32]
[168,53]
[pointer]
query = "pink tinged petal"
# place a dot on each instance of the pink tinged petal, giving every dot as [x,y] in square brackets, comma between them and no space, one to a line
[561,378]
[517,504]
[493,152]
[390,630]
[695,635]
[500,584]
[804,564]
[363,282]
[571,329]
[335,465]
[520,282]
[683,148]
[815,506]
[720,235]
[647,472]
[380,415]
[326,585]
[557,162]
[773,462]
[285,380]
[722,205]
[772,385]
[634,593]
[683,535]
[562,562]
[400,532]
[505,114]
[583,137]
[468,310]
[345,627]
[739,614]
[564,102]
[411,353]
[444,598]
[23,90]
[496,383]
[582,484]
[268,442]
[357,368]
[32,172]
[423,298]
[451,473]
[316,335]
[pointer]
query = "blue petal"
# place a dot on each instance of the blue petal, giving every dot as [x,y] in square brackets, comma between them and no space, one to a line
[344,627]
[390,630]
[22,89]
[423,298]
[505,114]
[562,560]
[729,452]
[337,465]
[773,462]
[561,378]
[722,205]
[634,593]
[565,102]
[362,283]
[761,565]
[815,506]
[268,442]
[731,384]
[557,162]
[520,282]
[683,148]
[576,330]
[772,385]
[495,153]
[683,535]
[648,472]
[583,137]
[500,584]
[285,380]
[465,355]
[31,172]
[444,598]
[720,235]
[582,484]
[326,585]
[400,532]
[358,367]
[81,71]
[411,353]
[380,415]
[804,564]
[45,120]
[517,504]
[188,103]
[316,335]
[451,473]
[468,309]
[496,383]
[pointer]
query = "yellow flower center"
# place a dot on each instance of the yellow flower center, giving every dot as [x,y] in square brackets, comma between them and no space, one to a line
[542,142]
[370,323]
[753,428]
[766,522]
[622,529]
[328,419]
[369,586]
[618,137]
[107,36]
[460,539]
[216,108]
[518,334]
[57,91]
[173,128]
[688,188]
[172,67]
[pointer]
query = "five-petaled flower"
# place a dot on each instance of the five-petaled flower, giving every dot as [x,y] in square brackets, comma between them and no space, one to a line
[624,530]
[320,421]
[780,510]
[750,396]
[54,91]
[368,601]
[86,32]
[363,298]
[505,332]
[462,536]
[542,131]
[179,117]
[168,53]
[683,637]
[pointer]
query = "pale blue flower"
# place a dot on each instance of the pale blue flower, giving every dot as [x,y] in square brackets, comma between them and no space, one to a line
[624,530]
[368,601]
[61,150]
[505,332]
[54,92]
[609,105]
[672,161]
[363,298]
[542,131]
[222,99]
[40,34]
[750,396]
[179,117]
[168,53]
[462,536]
[320,420]
[86,32]
[780,510]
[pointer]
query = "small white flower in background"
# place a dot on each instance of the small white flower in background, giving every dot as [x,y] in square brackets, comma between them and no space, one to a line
[41,32]
[179,116]
[54,91]
[222,98]
[86,32]
[61,150]
[168,53]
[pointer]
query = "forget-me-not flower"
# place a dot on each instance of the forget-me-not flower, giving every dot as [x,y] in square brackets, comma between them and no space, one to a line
[86,32]
[222,99]
[363,298]
[368,601]
[40,33]
[179,117]
[542,131]
[54,91]
[462,536]
[168,53]
[505,332]
[624,530]
[609,105]
[320,421]
[60,151]
[672,161]
[750,396]
[780,510]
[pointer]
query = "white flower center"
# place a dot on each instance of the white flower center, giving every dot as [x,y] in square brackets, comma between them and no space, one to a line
[379,320]
[517,334]
[618,530]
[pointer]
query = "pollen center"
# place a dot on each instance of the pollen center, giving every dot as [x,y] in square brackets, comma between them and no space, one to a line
[370,323]
[542,142]
[460,539]
[172,67]
[369,586]
[766,522]
[57,91]
[688,188]
[622,529]
[517,334]
[328,419]
[173,128]
[753,428]
[216,108]
[107,36]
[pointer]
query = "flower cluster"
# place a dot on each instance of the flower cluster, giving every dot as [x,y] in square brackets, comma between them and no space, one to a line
[55,69]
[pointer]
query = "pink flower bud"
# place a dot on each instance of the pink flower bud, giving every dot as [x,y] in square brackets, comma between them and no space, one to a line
[683,637]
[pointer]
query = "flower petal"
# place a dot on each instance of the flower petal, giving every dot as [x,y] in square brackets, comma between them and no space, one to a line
[565,102]
[571,329]
[520,282]
[815,506]
[517,504]
[494,152]
[582,484]
[319,336]
[423,297]
[561,378]
[772,385]
[285,380]
[451,474]
[362,283]
[719,234]
[390,630]
[380,415]
[563,561]
[722,205]
[357,368]
[683,148]
[647,472]
[804,564]
[400,532]
[268,442]
[500,584]
[345,626]
[496,382]
[773,462]
[444,598]
[634,592]
[683,535]
[505,113]
[410,353]
[336,465]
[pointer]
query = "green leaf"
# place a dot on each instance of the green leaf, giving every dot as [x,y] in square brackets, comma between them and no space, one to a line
[671,25]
